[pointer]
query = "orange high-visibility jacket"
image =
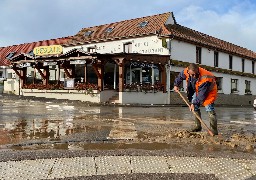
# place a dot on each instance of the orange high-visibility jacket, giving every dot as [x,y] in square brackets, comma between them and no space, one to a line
[205,76]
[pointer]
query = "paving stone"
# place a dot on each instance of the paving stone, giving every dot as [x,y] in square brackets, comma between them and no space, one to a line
[3,169]
[249,165]
[225,168]
[29,169]
[221,168]
[187,165]
[113,165]
[149,164]
[72,167]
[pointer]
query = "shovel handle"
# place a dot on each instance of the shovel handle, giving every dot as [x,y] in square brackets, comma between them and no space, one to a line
[202,122]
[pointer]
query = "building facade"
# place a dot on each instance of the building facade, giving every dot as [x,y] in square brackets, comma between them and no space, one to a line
[130,62]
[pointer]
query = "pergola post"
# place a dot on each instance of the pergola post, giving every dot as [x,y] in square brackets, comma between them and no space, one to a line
[58,81]
[98,67]
[121,74]
[23,74]
[46,74]
[85,73]
[100,78]
[73,69]
[68,72]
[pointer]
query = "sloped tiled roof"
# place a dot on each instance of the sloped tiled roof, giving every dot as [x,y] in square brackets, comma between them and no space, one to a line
[157,24]
[75,51]
[22,56]
[123,29]
[192,36]
[27,47]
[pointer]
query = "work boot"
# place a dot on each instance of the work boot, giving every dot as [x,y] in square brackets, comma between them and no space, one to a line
[213,122]
[197,127]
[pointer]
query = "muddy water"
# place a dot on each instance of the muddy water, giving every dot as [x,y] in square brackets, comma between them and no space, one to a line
[27,124]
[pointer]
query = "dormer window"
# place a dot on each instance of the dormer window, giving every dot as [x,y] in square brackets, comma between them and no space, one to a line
[143,24]
[31,53]
[109,30]
[10,55]
[88,33]
[91,49]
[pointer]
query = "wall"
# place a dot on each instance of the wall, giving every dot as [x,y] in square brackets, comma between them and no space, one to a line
[62,94]
[142,98]
[222,100]
[11,86]
[107,94]
[207,57]
[226,82]
[186,52]
[143,45]
[182,51]
[223,60]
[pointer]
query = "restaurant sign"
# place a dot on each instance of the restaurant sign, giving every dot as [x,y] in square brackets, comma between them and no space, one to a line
[50,63]
[78,62]
[47,50]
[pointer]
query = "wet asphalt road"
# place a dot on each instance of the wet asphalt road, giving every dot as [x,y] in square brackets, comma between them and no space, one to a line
[71,129]
[43,122]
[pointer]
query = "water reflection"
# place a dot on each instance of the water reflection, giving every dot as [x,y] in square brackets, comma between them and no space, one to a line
[21,121]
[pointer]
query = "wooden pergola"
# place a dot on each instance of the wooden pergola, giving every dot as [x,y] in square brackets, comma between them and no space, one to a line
[97,60]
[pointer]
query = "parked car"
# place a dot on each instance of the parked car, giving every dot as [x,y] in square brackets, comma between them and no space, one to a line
[254,103]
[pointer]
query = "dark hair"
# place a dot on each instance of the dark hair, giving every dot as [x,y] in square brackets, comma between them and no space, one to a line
[193,67]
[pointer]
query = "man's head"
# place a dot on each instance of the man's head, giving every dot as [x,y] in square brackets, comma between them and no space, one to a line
[193,70]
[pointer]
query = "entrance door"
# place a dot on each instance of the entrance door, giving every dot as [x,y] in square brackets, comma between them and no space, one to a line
[136,75]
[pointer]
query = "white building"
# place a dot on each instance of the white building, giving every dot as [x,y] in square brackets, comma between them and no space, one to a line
[159,35]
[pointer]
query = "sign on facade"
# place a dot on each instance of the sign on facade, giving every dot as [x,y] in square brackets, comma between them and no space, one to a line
[78,62]
[69,83]
[48,50]
[50,63]
[24,65]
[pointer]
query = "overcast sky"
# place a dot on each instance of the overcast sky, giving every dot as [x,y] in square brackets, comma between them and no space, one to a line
[26,21]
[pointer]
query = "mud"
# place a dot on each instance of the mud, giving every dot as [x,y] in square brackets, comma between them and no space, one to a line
[40,124]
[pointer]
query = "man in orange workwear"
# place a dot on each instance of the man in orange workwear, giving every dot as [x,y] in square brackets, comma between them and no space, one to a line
[201,90]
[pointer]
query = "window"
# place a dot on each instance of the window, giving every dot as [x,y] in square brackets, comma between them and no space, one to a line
[128,48]
[230,62]
[234,83]
[242,65]
[109,30]
[31,53]
[88,33]
[253,67]
[91,49]
[216,59]
[10,55]
[198,55]
[247,87]
[219,83]
[143,24]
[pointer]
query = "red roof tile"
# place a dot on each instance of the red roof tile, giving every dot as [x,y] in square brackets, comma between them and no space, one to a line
[192,36]
[157,24]
[27,47]
[123,29]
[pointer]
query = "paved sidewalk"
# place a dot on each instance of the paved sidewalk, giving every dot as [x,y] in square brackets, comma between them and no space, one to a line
[222,168]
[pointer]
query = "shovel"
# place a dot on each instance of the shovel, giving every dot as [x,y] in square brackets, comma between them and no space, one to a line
[202,122]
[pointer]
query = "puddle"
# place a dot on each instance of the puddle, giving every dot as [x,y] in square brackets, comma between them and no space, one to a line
[28,122]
